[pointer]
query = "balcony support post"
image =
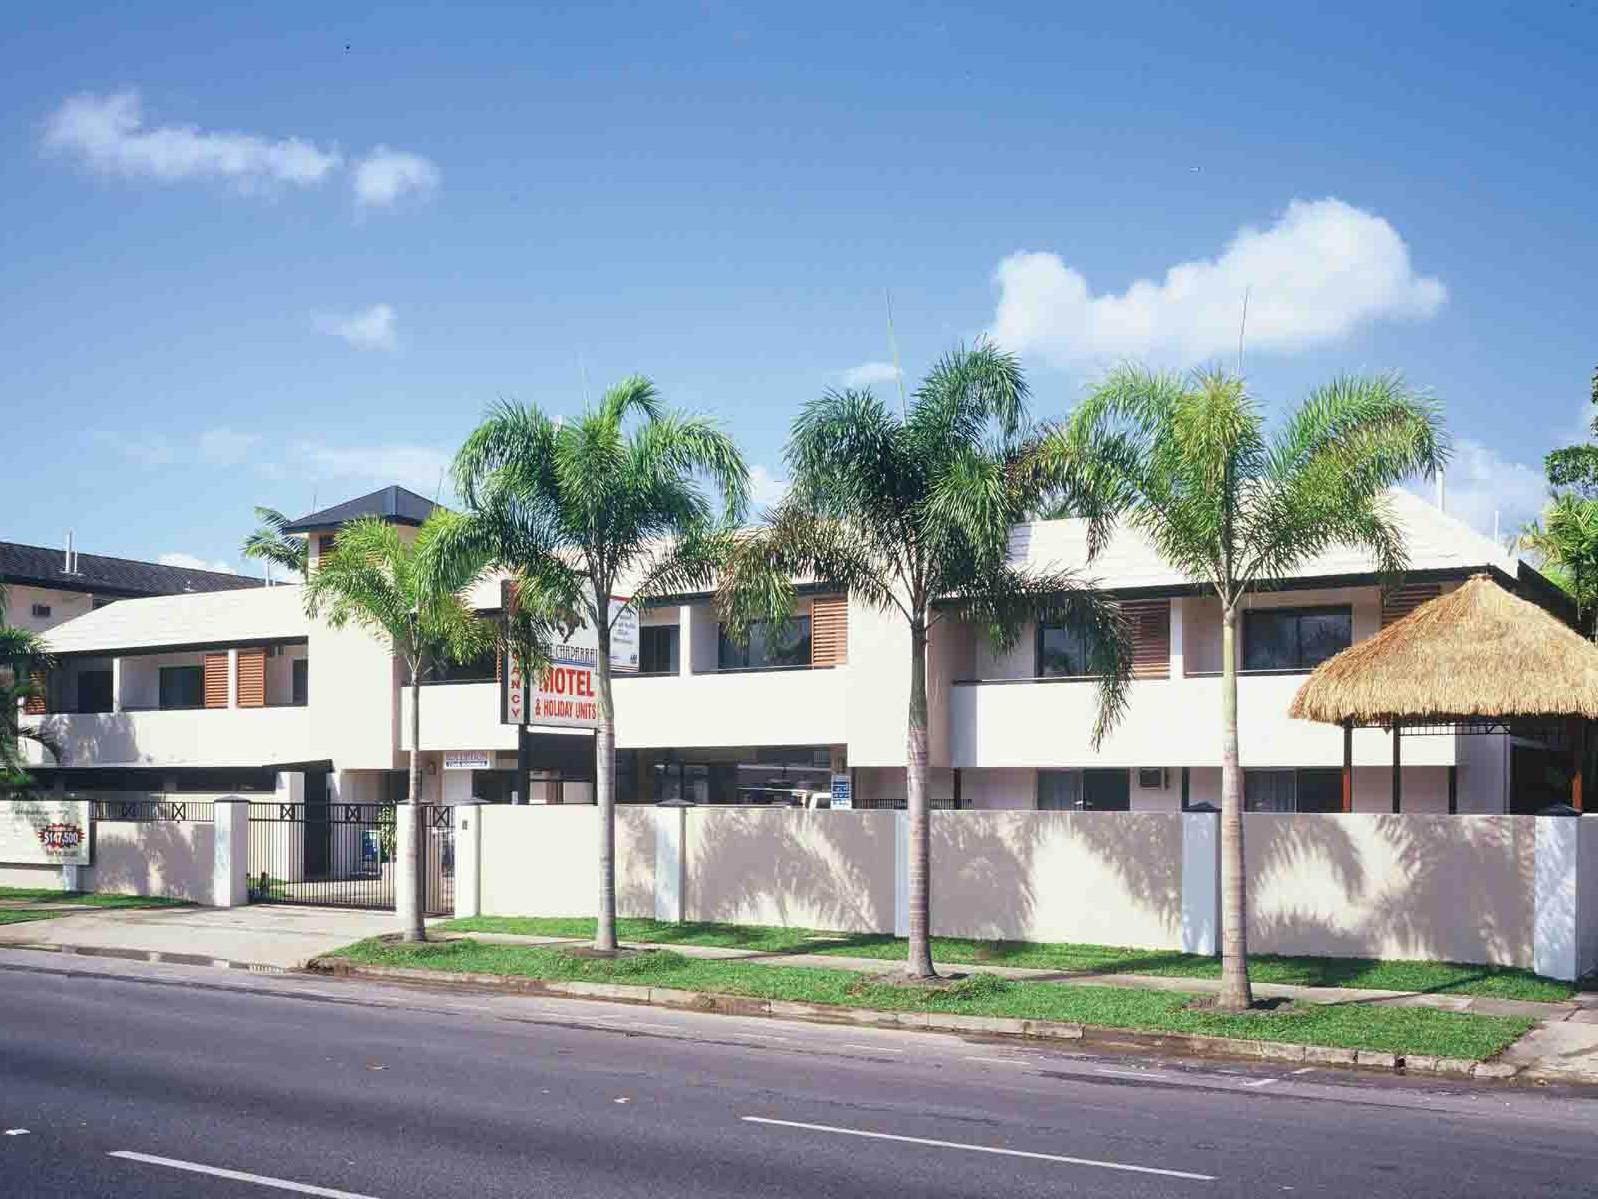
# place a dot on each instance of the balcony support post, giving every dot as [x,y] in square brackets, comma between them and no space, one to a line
[1398,767]
[1348,766]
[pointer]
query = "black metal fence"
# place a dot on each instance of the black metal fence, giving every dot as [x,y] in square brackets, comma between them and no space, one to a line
[899,805]
[152,808]
[344,855]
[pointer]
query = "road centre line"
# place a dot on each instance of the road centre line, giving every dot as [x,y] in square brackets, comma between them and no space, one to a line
[1124,1167]
[282,1184]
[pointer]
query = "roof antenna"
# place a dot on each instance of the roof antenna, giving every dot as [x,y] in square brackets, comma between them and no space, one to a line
[1442,496]
[1242,326]
[439,490]
[582,371]
[69,564]
[893,345]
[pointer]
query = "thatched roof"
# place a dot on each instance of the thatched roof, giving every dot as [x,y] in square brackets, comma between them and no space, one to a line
[1476,652]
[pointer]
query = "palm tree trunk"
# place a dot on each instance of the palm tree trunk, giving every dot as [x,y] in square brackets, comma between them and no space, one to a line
[1236,994]
[408,889]
[605,787]
[919,963]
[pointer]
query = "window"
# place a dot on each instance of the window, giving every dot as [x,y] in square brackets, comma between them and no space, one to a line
[1059,790]
[1294,638]
[1062,652]
[94,691]
[41,609]
[182,687]
[769,646]
[1085,790]
[475,670]
[325,543]
[657,649]
[1269,791]
[1292,791]
[300,683]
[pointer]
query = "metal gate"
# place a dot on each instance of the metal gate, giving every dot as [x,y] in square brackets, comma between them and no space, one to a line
[341,855]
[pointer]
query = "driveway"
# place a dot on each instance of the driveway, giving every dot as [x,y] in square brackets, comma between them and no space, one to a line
[275,935]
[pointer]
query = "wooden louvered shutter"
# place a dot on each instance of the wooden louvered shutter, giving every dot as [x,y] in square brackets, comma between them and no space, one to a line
[1150,622]
[829,630]
[1401,601]
[252,678]
[216,680]
[37,702]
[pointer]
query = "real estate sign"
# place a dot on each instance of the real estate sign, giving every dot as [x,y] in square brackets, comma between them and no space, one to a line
[567,693]
[44,832]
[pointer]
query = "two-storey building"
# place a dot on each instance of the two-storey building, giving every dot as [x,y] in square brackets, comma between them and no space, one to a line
[241,691]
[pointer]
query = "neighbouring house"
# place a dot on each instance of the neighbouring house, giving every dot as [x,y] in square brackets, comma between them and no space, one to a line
[45,587]
[237,689]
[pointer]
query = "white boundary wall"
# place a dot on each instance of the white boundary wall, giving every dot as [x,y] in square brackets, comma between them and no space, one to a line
[1511,890]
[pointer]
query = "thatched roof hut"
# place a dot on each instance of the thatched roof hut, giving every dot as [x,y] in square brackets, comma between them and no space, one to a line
[1476,653]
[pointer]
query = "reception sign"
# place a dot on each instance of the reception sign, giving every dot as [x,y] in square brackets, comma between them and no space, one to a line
[44,832]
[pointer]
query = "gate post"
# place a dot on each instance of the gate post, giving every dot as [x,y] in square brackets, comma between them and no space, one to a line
[468,818]
[1201,880]
[230,849]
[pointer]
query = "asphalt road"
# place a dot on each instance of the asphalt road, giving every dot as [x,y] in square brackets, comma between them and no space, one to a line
[122,1079]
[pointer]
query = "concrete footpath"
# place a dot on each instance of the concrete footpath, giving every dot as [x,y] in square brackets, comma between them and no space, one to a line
[1563,1047]
[261,935]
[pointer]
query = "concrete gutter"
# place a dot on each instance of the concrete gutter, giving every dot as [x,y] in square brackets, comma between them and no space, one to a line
[1000,1026]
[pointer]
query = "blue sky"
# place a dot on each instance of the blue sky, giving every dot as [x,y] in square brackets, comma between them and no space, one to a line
[286,254]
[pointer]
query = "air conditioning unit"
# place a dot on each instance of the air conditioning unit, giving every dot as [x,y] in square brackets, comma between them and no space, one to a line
[1153,778]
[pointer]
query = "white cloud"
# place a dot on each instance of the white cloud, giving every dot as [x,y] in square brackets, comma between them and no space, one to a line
[868,374]
[385,176]
[1481,484]
[765,489]
[108,133]
[368,329]
[192,562]
[418,467]
[1322,270]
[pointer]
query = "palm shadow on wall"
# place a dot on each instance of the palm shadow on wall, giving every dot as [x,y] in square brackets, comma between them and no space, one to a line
[832,871]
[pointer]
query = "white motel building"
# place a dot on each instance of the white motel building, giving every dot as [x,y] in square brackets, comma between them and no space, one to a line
[237,690]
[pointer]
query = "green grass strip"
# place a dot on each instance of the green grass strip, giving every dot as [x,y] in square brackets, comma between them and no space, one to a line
[89,899]
[1453,978]
[1389,1029]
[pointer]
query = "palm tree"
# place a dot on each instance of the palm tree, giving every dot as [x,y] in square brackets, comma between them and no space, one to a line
[1565,542]
[373,578]
[1187,461]
[269,543]
[579,511]
[910,514]
[24,657]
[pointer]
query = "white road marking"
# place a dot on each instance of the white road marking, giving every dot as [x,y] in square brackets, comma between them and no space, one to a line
[875,1048]
[1042,1157]
[1003,1061]
[282,1184]
[1124,1073]
[16,1132]
[1262,1082]
[1305,1070]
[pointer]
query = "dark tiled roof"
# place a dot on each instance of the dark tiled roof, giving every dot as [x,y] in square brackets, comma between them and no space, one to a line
[40,567]
[392,503]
